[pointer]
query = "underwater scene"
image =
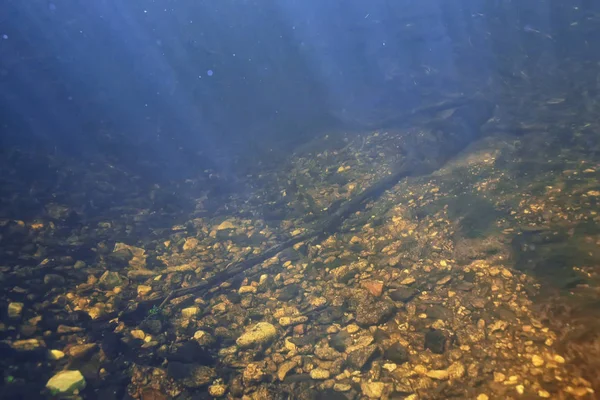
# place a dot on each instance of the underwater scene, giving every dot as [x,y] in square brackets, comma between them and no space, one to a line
[285,199]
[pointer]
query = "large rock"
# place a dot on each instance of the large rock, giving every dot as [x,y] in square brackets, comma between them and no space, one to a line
[369,313]
[66,382]
[261,333]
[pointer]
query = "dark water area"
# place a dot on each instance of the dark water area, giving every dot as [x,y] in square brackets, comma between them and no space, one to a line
[299,199]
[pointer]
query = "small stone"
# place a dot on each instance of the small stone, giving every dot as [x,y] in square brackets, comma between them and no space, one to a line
[438,374]
[97,311]
[247,289]
[369,313]
[435,340]
[444,280]
[261,333]
[109,280]
[342,387]
[143,290]
[478,302]
[327,353]
[559,359]
[499,377]
[253,374]
[64,329]
[506,273]
[359,358]
[225,225]
[66,382]
[217,390]
[190,375]
[340,341]
[520,389]
[138,334]
[319,374]
[289,321]
[403,294]
[55,355]
[285,368]
[373,390]
[396,353]
[483,396]
[190,244]
[81,350]
[299,330]
[53,280]
[420,369]
[318,301]
[27,344]
[456,370]
[494,271]
[543,394]
[352,328]
[190,312]
[408,281]
[373,287]
[537,361]
[15,310]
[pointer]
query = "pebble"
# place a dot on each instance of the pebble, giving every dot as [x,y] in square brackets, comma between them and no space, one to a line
[190,312]
[190,244]
[373,287]
[247,289]
[217,390]
[352,328]
[373,390]
[261,333]
[319,374]
[138,334]
[225,225]
[27,344]
[81,350]
[66,382]
[143,290]
[289,321]
[559,359]
[483,396]
[438,374]
[520,389]
[537,361]
[342,387]
[499,377]
[543,393]
[285,368]
[55,355]
[15,310]
[408,281]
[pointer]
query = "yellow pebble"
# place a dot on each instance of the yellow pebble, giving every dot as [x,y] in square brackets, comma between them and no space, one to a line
[559,359]
[483,397]
[520,389]
[537,361]
[543,393]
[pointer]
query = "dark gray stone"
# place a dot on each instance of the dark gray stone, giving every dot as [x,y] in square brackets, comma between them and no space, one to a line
[435,340]
[396,353]
[403,294]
